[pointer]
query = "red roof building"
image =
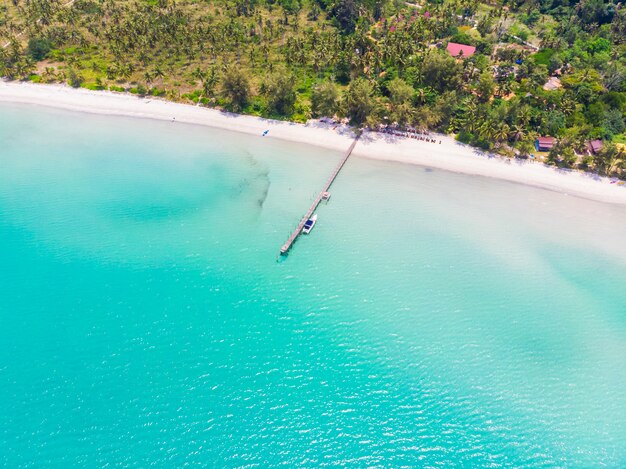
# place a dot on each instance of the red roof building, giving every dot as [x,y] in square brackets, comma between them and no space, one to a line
[460,50]
[595,146]
[544,143]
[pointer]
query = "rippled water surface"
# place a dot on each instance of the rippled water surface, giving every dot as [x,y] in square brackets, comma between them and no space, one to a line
[430,319]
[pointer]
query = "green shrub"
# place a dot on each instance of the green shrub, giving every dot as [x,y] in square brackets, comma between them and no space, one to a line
[139,89]
[74,79]
[462,38]
[94,86]
[543,57]
[465,137]
[39,48]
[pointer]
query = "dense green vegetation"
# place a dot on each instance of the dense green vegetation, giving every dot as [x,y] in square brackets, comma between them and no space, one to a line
[372,61]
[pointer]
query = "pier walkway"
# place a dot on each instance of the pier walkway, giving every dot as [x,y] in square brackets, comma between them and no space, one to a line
[298,231]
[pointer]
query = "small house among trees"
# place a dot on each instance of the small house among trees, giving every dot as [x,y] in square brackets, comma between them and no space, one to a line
[544,143]
[595,146]
[460,50]
[552,84]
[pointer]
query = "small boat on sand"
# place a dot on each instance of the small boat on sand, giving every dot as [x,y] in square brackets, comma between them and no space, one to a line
[309,224]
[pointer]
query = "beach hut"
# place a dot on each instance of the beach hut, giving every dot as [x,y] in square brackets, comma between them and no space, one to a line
[460,50]
[595,146]
[544,143]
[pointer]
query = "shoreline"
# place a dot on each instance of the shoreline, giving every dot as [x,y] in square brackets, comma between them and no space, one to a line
[449,155]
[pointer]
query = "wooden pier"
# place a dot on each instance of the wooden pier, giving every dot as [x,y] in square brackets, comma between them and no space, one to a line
[324,194]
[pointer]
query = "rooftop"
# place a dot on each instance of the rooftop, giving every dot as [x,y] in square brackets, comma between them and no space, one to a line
[544,143]
[552,84]
[547,140]
[595,145]
[460,50]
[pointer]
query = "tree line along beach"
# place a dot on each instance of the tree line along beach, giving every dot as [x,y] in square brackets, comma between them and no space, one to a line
[517,78]
[449,155]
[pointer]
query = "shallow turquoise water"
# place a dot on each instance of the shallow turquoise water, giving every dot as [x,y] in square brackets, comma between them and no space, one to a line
[431,319]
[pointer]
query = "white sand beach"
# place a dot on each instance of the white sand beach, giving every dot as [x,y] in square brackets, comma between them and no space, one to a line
[448,155]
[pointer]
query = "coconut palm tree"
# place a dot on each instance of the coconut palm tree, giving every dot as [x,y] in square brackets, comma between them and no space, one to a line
[157,72]
[501,132]
[209,82]
[421,96]
[148,76]
[487,130]
[617,160]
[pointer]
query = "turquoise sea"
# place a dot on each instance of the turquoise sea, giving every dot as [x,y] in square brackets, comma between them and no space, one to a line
[430,319]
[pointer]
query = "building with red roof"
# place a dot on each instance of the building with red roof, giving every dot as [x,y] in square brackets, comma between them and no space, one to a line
[595,146]
[460,50]
[544,143]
